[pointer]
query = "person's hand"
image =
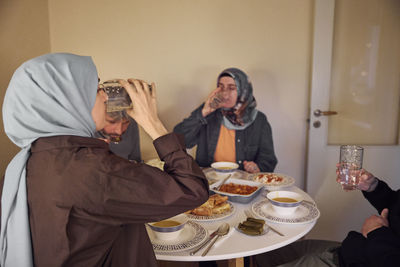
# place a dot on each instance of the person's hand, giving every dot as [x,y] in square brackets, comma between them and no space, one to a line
[375,222]
[367,181]
[212,102]
[144,110]
[250,166]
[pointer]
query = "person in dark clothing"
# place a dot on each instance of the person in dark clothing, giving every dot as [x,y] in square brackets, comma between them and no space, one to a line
[377,244]
[228,127]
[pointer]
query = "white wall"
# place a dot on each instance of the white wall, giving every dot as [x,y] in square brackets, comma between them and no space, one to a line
[183,45]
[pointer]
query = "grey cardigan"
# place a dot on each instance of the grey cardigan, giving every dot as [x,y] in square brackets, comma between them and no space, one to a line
[254,143]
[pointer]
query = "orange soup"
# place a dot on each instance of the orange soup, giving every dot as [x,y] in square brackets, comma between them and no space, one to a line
[285,199]
[225,168]
[166,223]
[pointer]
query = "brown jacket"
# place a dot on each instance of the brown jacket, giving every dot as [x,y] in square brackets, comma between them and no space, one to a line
[88,206]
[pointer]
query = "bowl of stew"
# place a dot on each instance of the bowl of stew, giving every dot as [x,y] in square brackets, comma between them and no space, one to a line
[237,190]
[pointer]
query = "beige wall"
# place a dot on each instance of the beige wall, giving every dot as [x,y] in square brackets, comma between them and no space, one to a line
[182,45]
[24,33]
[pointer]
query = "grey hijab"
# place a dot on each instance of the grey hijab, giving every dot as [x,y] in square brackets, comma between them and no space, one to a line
[47,96]
[244,112]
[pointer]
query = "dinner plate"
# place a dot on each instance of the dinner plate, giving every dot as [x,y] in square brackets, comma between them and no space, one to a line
[192,235]
[269,179]
[305,213]
[212,176]
[214,216]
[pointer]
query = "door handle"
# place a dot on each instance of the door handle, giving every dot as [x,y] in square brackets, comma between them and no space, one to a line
[318,113]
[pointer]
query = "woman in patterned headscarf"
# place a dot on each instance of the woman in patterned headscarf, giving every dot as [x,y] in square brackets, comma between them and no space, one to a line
[228,127]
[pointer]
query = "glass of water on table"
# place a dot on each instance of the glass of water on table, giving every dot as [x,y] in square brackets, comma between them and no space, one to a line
[351,158]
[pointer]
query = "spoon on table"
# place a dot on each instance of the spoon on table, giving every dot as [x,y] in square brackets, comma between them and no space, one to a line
[223,181]
[213,234]
[222,230]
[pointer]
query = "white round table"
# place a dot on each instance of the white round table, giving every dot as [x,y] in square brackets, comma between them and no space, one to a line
[237,245]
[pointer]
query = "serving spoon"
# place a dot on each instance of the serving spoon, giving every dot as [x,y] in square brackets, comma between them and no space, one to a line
[223,182]
[221,231]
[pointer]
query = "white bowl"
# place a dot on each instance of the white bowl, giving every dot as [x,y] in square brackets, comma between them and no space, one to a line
[224,167]
[164,232]
[282,207]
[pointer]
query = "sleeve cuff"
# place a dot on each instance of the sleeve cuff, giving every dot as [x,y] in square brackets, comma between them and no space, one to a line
[380,233]
[168,144]
[380,190]
[199,115]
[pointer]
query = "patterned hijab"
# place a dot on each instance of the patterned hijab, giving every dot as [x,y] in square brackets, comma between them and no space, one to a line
[47,96]
[243,113]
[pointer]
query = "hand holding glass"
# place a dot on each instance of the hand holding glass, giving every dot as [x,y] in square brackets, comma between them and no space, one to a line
[118,97]
[351,158]
[217,100]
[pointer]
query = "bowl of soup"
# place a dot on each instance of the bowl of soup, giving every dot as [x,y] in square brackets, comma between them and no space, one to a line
[284,202]
[224,167]
[170,228]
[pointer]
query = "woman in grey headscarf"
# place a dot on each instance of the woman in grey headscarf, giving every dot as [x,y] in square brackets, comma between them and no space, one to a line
[228,127]
[66,199]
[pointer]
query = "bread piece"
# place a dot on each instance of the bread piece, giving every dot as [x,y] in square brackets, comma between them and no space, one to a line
[216,204]
[202,211]
[221,208]
[218,199]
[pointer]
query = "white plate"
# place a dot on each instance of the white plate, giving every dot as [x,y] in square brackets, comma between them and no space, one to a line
[192,234]
[262,177]
[213,177]
[214,216]
[305,213]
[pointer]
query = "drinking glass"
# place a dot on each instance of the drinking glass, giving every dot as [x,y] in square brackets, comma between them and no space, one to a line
[217,100]
[117,104]
[118,97]
[351,158]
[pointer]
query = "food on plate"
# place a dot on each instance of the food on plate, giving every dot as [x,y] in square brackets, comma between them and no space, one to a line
[252,226]
[216,204]
[268,178]
[285,199]
[240,189]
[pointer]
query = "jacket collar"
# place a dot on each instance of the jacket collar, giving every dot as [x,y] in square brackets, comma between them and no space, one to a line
[55,142]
